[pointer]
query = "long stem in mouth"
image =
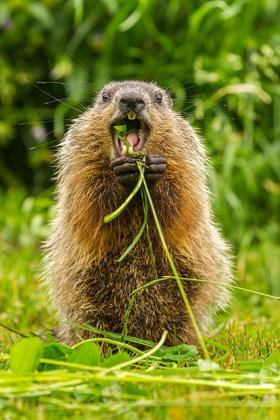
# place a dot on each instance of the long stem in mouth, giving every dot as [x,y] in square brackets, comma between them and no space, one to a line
[125,142]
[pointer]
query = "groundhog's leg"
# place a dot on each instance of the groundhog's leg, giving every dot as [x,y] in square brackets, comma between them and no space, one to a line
[126,170]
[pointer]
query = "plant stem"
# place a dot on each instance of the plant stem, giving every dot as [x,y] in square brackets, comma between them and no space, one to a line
[145,207]
[125,142]
[12,330]
[128,249]
[231,286]
[119,210]
[124,331]
[143,356]
[115,343]
[171,263]
[139,234]
[151,283]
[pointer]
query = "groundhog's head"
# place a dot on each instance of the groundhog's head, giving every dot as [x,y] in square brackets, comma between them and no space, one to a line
[144,108]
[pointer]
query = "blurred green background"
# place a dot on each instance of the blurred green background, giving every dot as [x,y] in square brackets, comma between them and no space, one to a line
[220,62]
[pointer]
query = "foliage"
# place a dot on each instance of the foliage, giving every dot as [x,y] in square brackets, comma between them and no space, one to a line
[80,380]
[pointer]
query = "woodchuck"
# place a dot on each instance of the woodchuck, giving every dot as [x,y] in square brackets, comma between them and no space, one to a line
[94,177]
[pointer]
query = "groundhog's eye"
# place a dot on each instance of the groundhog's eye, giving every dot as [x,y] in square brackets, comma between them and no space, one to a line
[159,98]
[105,97]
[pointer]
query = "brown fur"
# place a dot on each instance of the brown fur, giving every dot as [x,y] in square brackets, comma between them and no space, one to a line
[87,283]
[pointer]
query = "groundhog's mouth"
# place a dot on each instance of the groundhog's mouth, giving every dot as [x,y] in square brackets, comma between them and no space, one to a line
[137,134]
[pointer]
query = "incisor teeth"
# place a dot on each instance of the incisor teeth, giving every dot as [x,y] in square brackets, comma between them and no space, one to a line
[131,115]
[123,152]
[130,150]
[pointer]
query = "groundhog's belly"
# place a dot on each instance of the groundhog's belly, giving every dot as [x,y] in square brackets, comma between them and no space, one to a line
[109,288]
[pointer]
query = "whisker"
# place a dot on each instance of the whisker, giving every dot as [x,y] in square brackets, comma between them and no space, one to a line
[45,121]
[203,99]
[46,135]
[204,109]
[76,109]
[83,64]
[48,142]
[57,100]
[63,83]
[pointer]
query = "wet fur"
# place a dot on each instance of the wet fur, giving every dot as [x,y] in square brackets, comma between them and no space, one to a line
[87,283]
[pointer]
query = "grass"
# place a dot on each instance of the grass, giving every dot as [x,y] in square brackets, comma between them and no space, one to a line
[242,341]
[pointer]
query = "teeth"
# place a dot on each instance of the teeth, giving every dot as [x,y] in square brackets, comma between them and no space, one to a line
[130,150]
[123,152]
[131,115]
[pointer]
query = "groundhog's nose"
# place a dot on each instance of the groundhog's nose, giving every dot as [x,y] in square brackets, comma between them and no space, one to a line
[132,101]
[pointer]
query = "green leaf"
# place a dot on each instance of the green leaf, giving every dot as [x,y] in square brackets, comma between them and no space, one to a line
[50,337]
[116,359]
[251,365]
[179,353]
[271,365]
[130,388]
[121,128]
[79,11]
[25,355]
[62,347]
[42,14]
[131,20]
[87,354]
[56,351]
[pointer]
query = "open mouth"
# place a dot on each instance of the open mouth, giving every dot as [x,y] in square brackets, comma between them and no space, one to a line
[134,132]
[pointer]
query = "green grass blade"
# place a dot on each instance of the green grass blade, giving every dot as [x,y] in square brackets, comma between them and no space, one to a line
[119,210]
[231,286]
[12,330]
[115,336]
[145,207]
[143,356]
[171,263]
[127,251]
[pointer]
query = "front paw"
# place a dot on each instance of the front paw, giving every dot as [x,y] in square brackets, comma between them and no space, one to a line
[155,168]
[126,170]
